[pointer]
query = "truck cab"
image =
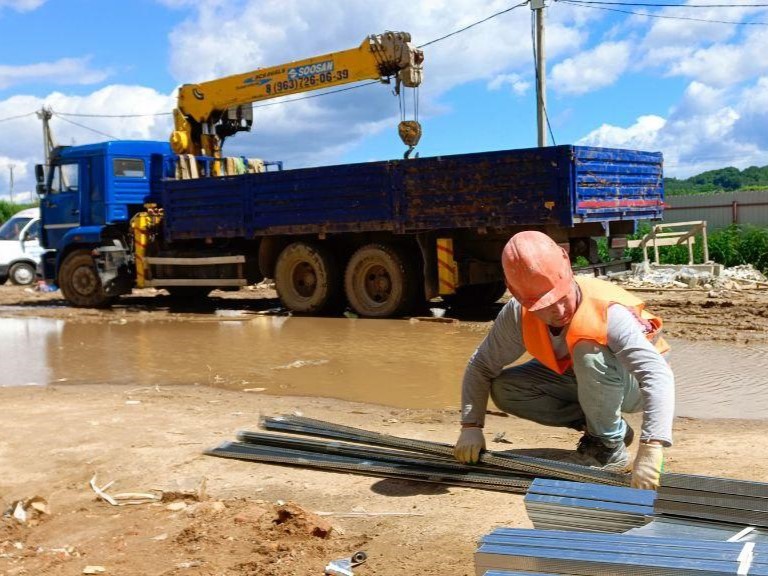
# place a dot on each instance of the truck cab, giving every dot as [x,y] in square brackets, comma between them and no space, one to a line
[20,248]
[88,194]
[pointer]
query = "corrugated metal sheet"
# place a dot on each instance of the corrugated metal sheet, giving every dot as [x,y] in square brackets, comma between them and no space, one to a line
[719,210]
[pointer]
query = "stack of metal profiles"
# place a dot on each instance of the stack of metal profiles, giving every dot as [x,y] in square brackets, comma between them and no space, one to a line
[348,449]
[711,498]
[505,551]
[587,507]
[672,527]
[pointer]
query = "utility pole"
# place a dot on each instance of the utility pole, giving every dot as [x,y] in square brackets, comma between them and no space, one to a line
[10,169]
[45,115]
[541,72]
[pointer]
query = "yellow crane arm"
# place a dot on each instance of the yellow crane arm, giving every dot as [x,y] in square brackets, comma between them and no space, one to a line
[208,112]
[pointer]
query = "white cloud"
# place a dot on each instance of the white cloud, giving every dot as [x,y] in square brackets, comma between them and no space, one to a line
[592,69]
[518,85]
[22,142]
[69,71]
[22,5]
[707,129]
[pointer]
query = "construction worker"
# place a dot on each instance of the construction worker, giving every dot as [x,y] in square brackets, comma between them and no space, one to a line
[596,353]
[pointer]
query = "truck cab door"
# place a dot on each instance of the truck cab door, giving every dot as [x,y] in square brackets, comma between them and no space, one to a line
[60,207]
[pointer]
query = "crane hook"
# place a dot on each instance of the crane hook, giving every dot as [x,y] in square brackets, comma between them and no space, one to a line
[410,134]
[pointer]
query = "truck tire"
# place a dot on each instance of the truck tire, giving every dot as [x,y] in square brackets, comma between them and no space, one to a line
[380,281]
[22,274]
[80,283]
[475,295]
[307,279]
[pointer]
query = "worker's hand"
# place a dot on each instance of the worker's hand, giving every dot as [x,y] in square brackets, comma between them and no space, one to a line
[649,462]
[471,441]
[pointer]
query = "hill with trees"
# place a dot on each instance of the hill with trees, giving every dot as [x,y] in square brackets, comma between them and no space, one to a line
[727,179]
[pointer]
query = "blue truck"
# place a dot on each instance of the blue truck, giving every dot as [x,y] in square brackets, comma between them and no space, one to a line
[379,237]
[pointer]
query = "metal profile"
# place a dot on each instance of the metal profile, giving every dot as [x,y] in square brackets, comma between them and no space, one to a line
[697,497]
[715,484]
[736,516]
[578,553]
[358,451]
[556,504]
[517,463]
[671,527]
[369,467]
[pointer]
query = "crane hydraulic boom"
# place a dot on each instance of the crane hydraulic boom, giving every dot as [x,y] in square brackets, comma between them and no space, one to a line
[209,112]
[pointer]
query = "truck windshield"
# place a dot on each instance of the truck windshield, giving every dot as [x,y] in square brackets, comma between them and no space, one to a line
[12,228]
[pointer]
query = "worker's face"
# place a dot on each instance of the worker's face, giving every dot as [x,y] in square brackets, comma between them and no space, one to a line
[561,312]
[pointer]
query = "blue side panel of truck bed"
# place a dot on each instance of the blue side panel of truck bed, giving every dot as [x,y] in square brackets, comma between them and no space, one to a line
[612,184]
[335,196]
[560,185]
[490,189]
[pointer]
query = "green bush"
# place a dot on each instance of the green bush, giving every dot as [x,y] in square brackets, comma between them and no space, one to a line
[8,209]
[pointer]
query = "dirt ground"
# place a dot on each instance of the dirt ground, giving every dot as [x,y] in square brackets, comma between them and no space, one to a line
[259,519]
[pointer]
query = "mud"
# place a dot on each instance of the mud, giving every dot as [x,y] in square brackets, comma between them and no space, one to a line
[729,316]
[405,363]
[135,394]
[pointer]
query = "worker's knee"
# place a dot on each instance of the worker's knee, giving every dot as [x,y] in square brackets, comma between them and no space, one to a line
[593,361]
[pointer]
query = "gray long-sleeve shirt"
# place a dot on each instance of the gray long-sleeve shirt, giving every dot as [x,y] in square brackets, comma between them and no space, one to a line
[626,339]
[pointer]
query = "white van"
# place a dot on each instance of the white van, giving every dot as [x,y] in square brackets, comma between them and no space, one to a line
[20,249]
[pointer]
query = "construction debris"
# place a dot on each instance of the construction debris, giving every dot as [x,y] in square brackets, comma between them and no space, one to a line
[29,510]
[697,276]
[124,498]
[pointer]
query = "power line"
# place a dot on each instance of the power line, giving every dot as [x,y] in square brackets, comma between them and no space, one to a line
[581,4]
[85,127]
[670,5]
[355,87]
[308,97]
[460,30]
[16,117]
[72,114]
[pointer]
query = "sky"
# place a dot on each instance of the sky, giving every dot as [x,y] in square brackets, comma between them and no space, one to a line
[689,81]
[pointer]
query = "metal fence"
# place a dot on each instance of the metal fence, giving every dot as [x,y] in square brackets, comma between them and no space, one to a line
[719,210]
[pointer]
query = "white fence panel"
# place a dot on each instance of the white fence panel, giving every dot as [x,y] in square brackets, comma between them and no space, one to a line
[719,210]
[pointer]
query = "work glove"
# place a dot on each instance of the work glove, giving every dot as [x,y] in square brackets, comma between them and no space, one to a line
[646,472]
[471,441]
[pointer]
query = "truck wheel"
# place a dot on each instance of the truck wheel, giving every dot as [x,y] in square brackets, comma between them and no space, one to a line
[80,283]
[307,279]
[473,295]
[380,281]
[22,273]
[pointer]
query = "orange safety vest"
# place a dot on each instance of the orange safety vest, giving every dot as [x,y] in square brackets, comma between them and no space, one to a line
[589,322]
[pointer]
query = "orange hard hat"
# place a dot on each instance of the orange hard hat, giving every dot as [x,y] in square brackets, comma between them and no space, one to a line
[537,271]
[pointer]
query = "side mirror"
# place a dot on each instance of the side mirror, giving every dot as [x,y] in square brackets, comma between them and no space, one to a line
[40,178]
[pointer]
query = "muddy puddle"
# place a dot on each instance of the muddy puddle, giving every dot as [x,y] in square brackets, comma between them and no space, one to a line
[389,362]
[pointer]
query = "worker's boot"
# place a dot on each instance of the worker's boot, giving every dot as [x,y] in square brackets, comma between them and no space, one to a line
[592,452]
[629,433]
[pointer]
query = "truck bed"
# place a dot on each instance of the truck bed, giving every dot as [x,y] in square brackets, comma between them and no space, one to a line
[560,185]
